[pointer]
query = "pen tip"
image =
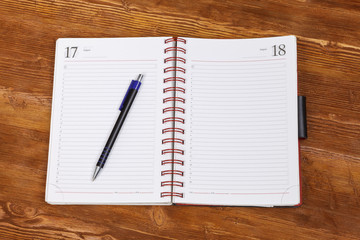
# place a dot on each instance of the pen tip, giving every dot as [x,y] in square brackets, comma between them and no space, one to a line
[96,172]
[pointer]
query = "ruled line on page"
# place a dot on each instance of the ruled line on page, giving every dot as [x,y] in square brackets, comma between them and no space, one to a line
[112,60]
[236,61]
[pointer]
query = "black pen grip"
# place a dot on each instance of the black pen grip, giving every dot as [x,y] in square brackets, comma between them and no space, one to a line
[116,129]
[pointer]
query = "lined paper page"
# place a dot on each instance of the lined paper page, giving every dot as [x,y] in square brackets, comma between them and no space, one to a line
[241,132]
[89,87]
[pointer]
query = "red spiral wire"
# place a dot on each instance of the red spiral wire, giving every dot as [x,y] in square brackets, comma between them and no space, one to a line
[177,172]
[171,151]
[175,40]
[171,140]
[173,119]
[169,89]
[179,99]
[172,69]
[172,183]
[172,161]
[172,194]
[179,79]
[180,49]
[174,109]
[167,130]
[180,59]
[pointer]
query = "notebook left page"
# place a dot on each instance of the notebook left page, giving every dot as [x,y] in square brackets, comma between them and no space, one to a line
[90,80]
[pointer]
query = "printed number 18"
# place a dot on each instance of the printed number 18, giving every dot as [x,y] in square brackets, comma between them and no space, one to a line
[279,50]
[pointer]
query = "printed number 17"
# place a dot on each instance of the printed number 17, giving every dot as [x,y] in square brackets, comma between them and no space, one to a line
[70,52]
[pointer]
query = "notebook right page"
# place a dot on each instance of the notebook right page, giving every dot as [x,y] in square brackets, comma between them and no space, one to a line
[241,132]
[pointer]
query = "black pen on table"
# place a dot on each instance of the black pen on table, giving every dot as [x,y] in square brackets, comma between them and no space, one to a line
[124,108]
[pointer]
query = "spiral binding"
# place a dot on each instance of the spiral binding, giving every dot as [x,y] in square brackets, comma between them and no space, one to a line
[180,59]
[172,161]
[172,151]
[179,79]
[170,140]
[172,194]
[170,89]
[180,99]
[180,49]
[173,119]
[179,130]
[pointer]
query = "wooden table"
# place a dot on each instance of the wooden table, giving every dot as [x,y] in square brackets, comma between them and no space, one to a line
[328,35]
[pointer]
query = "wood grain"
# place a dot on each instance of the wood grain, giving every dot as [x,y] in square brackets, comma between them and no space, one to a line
[328,35]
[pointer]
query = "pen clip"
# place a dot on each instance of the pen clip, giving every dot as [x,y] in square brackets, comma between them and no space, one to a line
[135,84]
[123,101]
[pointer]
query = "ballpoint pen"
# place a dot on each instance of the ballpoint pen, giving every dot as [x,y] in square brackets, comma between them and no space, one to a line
[124,108]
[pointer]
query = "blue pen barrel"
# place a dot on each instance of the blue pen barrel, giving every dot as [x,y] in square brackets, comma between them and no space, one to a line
[134,85]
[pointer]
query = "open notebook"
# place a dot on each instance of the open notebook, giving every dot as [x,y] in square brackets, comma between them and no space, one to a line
[214,122]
